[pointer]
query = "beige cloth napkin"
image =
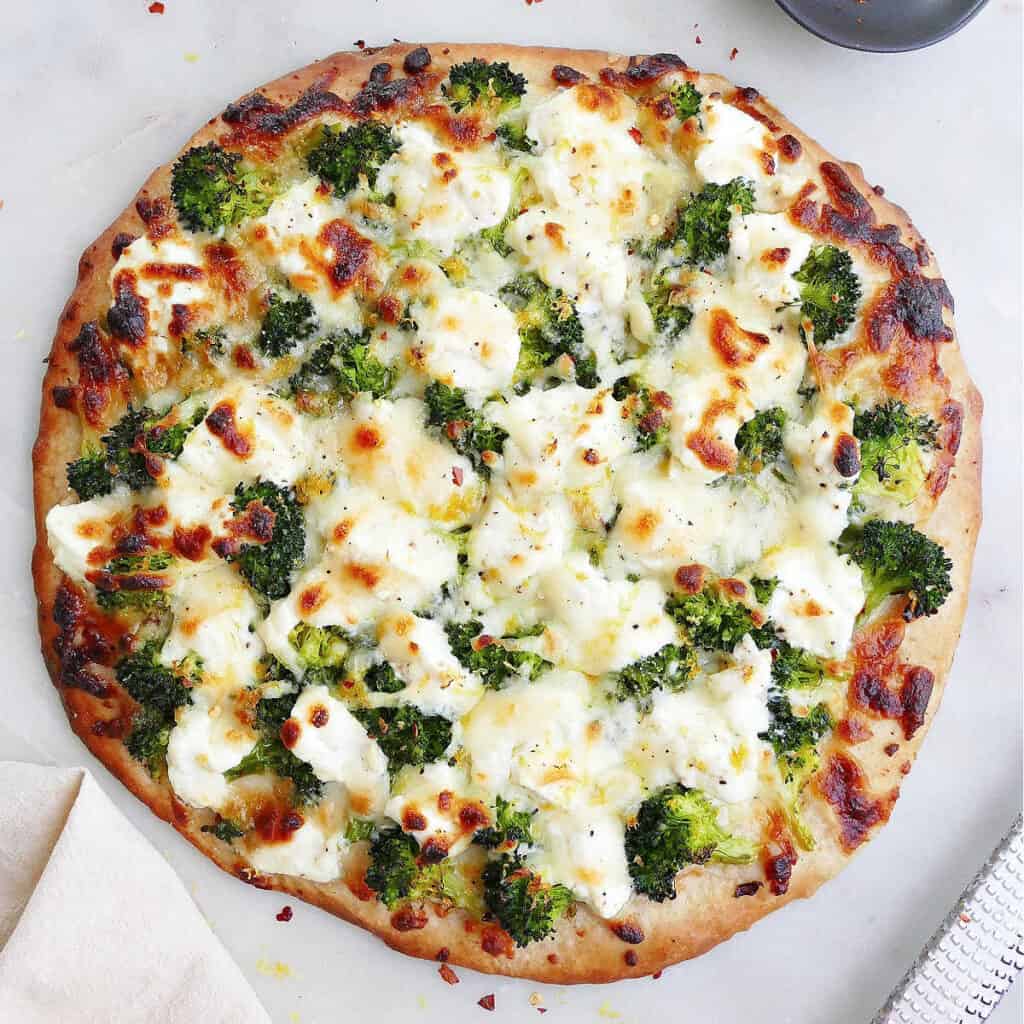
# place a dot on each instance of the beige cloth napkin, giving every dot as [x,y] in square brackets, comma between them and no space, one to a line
[94,925]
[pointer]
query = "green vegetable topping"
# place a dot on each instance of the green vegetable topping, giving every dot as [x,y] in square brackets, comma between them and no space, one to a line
[495,84]
[716,622]
[342,156]
[686,100]
[892,443]
[468,431]
[759,441]
[287,322]
[830,293]
[896,559]
[211,189]
[488,658]
[269,564]
[523,905]
[676,827]
[406,735]
[671,668]
[510,826]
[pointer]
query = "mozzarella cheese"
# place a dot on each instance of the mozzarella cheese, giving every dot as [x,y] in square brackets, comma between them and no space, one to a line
[442,195]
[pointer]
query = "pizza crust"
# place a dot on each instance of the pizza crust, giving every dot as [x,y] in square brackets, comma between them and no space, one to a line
[584,948]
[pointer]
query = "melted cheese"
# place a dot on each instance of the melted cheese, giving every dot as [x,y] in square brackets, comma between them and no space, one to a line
[707,736]
[442,195]
[430,803]
[435,681]
[332,741]
[72,531]
[311,851]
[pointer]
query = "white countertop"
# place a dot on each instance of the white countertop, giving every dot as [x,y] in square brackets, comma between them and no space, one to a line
[96,94]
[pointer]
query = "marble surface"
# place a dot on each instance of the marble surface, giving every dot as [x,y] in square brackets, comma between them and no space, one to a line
[96,94]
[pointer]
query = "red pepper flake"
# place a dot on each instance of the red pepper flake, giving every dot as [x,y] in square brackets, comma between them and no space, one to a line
[486,1002]
[285,913]
[541,1009]
[361,43]
[457,476]
[448,975]
[156,7]
[698,40]
[732,55]
[656,975]
[634,134]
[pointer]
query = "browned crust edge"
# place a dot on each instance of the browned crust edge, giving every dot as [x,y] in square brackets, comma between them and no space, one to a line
[584,949]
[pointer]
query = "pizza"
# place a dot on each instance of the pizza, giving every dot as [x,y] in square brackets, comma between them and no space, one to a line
[521,501]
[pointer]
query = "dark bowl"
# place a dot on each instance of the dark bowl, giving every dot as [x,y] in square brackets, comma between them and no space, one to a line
[882,26]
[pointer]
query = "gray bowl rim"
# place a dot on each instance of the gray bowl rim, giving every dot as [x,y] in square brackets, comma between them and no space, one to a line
[788,7]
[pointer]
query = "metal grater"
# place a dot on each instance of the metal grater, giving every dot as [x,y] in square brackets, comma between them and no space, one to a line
[970,962]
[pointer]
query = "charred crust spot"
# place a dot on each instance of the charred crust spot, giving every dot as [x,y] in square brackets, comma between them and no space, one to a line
[413,820]
[746,889]
[628,931]
[915,304]
[472,817]
[368,437]
[842,785]
[565,75]
[379,96]
[736,589]
[890,749]
[416,61]
[190,542]
[444,799]
[182,318]
[630,958]
[380,73]
[854,730]
[121,242]
[351,253]
[846,456]
[915,693]
[690,578]
[110,729]
[497,942]
[434,850]
[443,955]
[259,115]
[409,919]
[869,691]
[790,148]
[221,423]
[643,70]
[63,397]
[127,317]
[290,732]
[775,257]
[311,598]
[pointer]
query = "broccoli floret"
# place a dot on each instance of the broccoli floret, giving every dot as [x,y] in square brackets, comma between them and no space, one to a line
[406,735]
[495,236]
[224,830]
[322,650]
[675,827]
[513,135]
[830,292]
[287,322]
[492,661]
[340,368]
[796,669]
[272,756]
[268,567]
[89,477]
[759,441]
[763,589]
[359,830]
[468,431]
[211,189]
[671,668]
[151,683]
[795,741]
[134,582]
[160,691]
[147,742]
[549,327]
[686,100]
[121,457]
[715,622]
[665,301]
[382,678]
[496,84]
[647,409]
[341,156]
[702,225]
[896,559]
[510,827]
[892,440]
[396,877]
[523,905]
